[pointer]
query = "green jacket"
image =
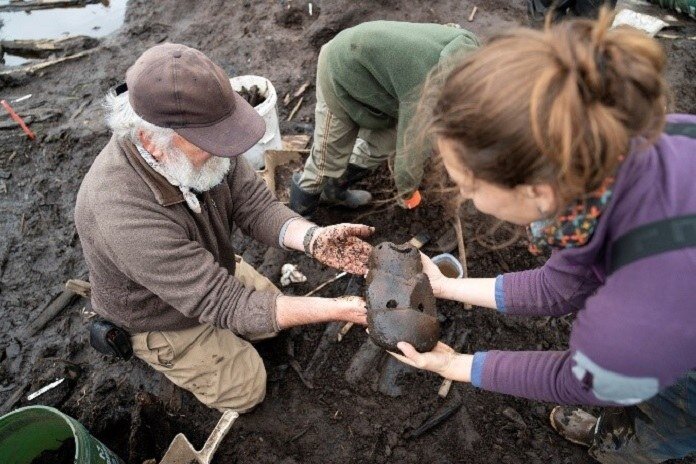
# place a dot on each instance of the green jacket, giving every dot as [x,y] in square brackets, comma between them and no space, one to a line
[374,72]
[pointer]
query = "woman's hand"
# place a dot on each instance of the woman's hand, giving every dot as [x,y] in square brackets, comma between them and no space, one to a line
[437,280]
[341,247]
[442,360]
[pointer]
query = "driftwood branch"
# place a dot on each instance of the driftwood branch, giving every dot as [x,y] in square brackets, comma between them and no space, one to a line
[32,68]
[28,5]
[44,48]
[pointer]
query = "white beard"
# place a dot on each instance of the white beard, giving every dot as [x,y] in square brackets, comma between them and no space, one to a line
[202,179]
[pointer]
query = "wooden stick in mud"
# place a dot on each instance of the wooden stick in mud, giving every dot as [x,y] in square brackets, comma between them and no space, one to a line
[321,354]
[340,275]
[473,13]
[331,334]
[462,249]
[344,330]
[12,400]
[48,312]
[441,414]
[295,109]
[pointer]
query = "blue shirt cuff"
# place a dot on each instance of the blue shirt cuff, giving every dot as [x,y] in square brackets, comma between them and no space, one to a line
[499,294]
[477,368]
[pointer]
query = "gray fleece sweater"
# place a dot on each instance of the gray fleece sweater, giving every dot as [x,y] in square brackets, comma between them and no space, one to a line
[156,265]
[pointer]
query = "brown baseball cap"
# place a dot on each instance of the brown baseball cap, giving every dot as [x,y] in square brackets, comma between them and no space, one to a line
[178,87]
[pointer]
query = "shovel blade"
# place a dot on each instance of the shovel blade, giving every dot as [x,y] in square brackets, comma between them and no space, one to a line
[180,451]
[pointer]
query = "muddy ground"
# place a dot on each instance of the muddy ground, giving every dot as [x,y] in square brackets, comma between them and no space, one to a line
[130,407]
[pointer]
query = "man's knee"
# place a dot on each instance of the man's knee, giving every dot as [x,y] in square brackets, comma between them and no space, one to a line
[240,389]
[221,369]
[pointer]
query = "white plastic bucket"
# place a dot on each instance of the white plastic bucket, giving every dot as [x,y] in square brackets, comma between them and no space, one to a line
[267,109]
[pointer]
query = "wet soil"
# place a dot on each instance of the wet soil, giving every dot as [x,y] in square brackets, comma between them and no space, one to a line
[131,408]
[252,95]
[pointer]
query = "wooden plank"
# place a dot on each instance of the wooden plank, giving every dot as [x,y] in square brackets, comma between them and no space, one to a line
[296,142]
[50,311]
[81,287]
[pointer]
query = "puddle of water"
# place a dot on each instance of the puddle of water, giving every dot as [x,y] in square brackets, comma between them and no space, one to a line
[92,20]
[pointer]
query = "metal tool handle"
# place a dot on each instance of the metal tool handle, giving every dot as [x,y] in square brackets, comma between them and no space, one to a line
[219,432]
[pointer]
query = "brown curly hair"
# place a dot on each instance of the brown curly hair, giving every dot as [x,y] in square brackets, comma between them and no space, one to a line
[557,106]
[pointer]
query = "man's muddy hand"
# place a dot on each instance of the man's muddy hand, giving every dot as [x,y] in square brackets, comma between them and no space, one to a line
[354,309]
[341,246]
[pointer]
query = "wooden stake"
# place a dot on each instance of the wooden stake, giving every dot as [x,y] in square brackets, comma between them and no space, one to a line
[301,90]
[295,109]
[462,250]
[344,330]
[333,279]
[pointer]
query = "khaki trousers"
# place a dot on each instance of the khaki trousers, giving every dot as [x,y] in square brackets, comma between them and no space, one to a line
[338,141]
[221,369]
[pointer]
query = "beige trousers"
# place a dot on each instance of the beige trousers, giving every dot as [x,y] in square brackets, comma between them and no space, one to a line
[338,141]
[221,369]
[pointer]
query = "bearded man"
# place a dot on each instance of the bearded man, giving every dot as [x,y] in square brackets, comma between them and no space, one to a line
[155,215]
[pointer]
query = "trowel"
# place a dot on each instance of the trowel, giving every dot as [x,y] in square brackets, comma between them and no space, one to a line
[181,450]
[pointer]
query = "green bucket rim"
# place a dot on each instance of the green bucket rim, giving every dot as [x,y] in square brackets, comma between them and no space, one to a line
[67,419]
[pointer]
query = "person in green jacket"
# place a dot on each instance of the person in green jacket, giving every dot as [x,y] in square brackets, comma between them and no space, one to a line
[368,82]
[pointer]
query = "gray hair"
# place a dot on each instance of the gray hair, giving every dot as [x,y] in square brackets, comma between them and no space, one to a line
[126,124]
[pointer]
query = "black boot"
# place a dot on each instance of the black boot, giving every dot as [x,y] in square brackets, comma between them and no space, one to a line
[334,194]
[538,9]
[301,201]
[352,174]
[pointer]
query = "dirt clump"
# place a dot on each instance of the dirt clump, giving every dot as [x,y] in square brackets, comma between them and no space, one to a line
[252,95]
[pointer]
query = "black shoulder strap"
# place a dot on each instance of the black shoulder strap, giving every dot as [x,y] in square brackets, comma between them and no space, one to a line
[652,239]
[660,236]
[686,129]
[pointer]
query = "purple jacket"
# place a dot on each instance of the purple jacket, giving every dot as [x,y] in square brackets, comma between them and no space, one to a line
[635,331]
